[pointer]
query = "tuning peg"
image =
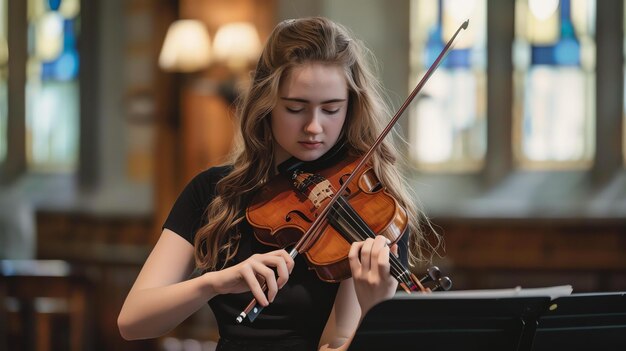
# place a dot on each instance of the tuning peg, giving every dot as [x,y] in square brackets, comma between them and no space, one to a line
[432,274]
[443,283]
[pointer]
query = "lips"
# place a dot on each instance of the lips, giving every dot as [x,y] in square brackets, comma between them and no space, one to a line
[311,144]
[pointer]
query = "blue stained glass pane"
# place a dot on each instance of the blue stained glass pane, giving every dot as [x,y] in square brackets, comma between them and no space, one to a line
[542,55]
[458,59]
[47,70]
[567,52]
[54,4]
[565,9]
[434,45]
[66,66]
[69,35]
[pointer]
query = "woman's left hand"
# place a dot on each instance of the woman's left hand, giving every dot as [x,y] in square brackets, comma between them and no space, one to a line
[369,262]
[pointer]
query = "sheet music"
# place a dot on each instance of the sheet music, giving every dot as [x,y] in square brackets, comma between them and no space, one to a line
[552,291]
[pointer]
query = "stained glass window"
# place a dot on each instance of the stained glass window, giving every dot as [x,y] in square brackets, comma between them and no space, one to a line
[52,88]
[4,75]
[554,77]
[448,119]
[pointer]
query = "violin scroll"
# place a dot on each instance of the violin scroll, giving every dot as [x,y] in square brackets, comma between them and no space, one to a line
[436,280]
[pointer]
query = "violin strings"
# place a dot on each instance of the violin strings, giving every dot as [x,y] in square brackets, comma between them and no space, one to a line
[397,268]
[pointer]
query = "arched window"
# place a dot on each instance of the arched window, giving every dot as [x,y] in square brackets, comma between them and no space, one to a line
[52,86]
[448,120]
[554,83]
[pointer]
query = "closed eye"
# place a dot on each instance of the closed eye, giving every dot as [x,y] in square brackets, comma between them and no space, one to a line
[331,112]
[294,110]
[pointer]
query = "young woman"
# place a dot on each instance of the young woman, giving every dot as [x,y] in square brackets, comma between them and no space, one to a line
[312,89]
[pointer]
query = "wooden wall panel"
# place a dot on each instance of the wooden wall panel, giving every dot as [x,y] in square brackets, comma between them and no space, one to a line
[589,254]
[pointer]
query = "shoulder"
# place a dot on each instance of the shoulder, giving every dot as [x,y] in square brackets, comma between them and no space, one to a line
[206,181]
[187,214]
[213,174]
[199,192]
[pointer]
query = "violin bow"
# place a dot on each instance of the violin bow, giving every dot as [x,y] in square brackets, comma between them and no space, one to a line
[254,309]
[307,237]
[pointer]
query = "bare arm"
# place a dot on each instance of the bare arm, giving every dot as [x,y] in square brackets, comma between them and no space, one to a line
[370,284]
[343,320]
[162,297]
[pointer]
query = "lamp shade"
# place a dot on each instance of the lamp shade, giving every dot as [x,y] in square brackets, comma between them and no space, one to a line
[187,47]
[236,44]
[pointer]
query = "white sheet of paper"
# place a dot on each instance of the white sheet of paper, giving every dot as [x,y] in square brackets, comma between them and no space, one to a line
[552,291]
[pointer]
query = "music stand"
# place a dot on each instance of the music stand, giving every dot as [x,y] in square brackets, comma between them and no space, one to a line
[583,322]
[427,322]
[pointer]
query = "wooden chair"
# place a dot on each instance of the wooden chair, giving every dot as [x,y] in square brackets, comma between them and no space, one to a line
[32,294]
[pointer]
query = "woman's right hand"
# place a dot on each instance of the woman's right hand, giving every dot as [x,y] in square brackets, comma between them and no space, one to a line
[250,275]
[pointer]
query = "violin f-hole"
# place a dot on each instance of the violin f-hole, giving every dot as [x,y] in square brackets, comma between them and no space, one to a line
[341,180]
[288,217]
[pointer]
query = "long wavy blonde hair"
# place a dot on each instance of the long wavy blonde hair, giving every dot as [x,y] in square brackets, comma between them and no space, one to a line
[293,43]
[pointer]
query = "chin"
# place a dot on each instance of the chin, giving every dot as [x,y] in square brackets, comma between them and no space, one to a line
[309,156]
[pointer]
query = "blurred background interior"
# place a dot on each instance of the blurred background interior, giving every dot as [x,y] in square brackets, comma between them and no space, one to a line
[515,148]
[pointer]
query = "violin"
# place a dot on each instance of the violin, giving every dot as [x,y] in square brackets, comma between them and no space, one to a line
[281,216]
[320,214]
[284,209]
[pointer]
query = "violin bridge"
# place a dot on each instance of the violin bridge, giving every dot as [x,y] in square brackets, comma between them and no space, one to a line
[315,187]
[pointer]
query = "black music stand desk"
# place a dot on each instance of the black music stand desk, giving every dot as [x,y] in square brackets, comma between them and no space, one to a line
[489,320]
[583,322]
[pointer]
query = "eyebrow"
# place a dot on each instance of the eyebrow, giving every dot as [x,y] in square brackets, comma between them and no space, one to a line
[307,101]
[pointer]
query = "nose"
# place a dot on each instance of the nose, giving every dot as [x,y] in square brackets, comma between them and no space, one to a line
[313,124]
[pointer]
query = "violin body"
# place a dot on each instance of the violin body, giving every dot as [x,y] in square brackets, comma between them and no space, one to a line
[284,209]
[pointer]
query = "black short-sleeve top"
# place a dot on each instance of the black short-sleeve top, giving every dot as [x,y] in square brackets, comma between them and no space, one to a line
[300,309]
